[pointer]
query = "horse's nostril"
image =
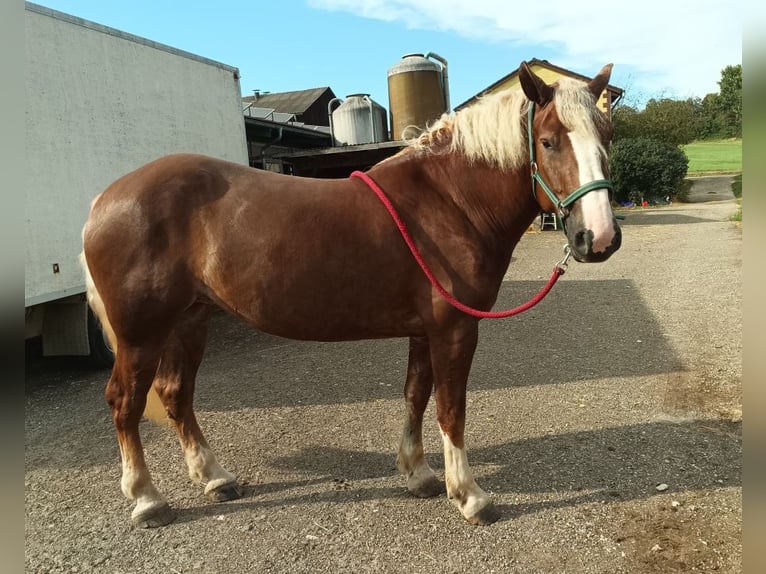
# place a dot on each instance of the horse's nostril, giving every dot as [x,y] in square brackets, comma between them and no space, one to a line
[617,241]
[583,241]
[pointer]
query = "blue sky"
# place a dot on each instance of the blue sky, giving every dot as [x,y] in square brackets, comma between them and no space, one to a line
[349,45]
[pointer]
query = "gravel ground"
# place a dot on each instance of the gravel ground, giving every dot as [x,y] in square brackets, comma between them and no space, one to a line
[606,422]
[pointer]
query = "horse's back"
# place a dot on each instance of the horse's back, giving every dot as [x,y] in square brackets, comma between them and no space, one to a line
[180,181]
[170,196]
[290,255]
[182,184]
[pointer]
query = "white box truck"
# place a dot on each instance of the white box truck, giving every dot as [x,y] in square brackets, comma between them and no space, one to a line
[100,103]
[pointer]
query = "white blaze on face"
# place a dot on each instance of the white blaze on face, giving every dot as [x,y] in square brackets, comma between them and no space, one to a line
[596,210]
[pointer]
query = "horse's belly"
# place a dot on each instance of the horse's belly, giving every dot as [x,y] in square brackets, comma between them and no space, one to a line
[325,308]
[315,321]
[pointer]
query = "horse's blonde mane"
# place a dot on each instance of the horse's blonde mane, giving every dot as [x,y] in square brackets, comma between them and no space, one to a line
[493,130]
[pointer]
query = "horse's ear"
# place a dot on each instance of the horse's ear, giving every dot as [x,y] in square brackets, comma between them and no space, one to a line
[534,87]
[597,84]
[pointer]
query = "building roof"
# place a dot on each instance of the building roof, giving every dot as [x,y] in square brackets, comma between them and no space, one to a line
[269,114]
[293,135]
[340,161]
[616,92]
[296,102]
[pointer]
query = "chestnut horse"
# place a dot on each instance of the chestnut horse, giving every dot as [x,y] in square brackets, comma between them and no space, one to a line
[320,259]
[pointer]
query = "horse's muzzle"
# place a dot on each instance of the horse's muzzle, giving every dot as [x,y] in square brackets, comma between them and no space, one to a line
[581,244]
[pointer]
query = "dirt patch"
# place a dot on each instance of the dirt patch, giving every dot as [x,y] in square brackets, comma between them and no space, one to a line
[677,533]
[701,393]
[625,379]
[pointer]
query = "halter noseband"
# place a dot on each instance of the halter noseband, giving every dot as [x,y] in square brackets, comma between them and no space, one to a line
[562,205]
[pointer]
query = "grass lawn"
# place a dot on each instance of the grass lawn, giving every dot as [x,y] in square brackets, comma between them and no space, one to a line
[718,156]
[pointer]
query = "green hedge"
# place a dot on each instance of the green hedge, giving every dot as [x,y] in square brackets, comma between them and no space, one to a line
[646,169]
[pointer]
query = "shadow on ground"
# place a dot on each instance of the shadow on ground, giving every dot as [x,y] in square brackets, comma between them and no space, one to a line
[553,343]
[615,464]
[660,217]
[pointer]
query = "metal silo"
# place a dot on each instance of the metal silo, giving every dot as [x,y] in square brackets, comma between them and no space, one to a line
[418,92]
[357,120]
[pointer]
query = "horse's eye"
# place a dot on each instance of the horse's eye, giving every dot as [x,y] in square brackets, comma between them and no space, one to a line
[546,143]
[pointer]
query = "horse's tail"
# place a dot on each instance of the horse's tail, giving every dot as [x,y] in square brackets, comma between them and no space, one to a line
[154,410]
[97,304]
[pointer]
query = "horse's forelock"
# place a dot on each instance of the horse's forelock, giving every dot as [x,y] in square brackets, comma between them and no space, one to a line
[576,107]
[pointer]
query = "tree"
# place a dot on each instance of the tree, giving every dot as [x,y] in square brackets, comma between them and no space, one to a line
[678,122]
[626,121]
[711,123]
[670,121]
[730,99]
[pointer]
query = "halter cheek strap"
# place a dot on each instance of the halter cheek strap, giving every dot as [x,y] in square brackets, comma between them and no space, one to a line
[562,205]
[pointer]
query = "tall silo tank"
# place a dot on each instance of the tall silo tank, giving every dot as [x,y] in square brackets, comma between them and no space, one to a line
[358,120]
[418,93]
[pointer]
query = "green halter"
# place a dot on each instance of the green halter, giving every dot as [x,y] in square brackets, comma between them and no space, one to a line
[562,205]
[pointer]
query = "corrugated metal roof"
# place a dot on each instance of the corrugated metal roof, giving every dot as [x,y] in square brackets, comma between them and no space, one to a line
[269,114]
[296,102]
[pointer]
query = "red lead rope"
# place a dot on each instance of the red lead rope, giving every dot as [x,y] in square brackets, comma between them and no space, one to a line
[558,270]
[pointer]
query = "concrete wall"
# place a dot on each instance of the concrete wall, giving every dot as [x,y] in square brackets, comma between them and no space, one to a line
[101,103]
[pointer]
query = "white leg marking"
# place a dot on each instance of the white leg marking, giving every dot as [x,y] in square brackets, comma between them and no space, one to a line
[204,468]
[462,489]
[597,212]
[136,484]
[411,462]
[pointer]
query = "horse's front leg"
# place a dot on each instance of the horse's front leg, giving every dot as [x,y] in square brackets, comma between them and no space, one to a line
[451,357]
[421,480]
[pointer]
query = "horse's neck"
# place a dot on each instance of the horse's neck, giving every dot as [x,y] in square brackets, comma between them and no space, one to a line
[499,204]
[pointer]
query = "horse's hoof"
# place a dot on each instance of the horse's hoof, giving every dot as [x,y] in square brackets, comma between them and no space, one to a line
[154,517]
[227,491]
[427,489]
[485,516]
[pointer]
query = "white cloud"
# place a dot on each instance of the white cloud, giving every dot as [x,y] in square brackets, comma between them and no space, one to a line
[672,47]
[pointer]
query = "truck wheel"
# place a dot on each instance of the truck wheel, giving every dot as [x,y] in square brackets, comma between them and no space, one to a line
[101,353]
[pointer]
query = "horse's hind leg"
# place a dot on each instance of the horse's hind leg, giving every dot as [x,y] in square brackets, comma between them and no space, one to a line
[174,384]
[132,375]
[421,480]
